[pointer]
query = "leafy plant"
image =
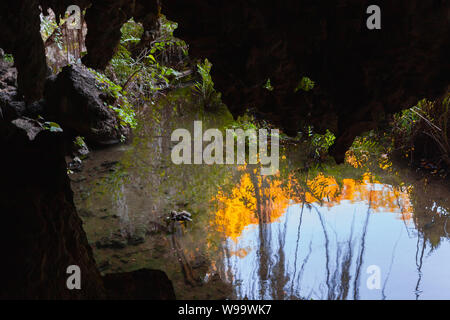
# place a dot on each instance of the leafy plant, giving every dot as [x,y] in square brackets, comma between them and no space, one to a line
[320,143]
[49,27]
[52,126]
[79,141]
[121,105]
[268,85]
[305,84]
[435,120]
[427,118]
[205,88]
[131,32]
[8,58]
[166,44]
[142,73]
[244,122]
[366,148]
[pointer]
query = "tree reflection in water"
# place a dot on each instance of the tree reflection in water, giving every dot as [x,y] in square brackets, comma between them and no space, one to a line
[360,220]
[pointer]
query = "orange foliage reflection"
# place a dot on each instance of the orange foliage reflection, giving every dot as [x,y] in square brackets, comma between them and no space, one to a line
[257,199]
[382,197]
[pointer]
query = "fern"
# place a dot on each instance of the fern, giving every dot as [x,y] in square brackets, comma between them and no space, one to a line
[205,88]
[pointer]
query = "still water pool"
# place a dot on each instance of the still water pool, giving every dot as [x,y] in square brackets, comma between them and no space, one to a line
[350,231]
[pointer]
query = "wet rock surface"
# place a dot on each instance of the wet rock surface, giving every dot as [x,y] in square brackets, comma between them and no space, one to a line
[72,100]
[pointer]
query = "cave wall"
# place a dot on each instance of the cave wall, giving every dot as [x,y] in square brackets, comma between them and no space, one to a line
[19,32]
[361,75]
[42,233]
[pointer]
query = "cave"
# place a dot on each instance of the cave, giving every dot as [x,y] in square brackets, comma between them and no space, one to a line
[362,78]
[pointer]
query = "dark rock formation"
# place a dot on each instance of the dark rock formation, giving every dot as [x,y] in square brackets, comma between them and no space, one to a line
[42,234]
[143,284]
[76,103]
[72,99]
[20,35]
[104,20]
[10,107]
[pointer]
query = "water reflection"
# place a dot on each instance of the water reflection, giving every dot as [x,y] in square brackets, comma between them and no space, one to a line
[306,233]
[316,239]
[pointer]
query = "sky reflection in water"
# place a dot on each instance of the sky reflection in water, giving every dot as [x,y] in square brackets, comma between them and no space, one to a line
[322,249]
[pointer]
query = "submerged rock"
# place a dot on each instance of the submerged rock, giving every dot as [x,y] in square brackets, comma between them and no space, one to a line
[85,213]
[116,241]
[135,240]
[104,265]
[138,236]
